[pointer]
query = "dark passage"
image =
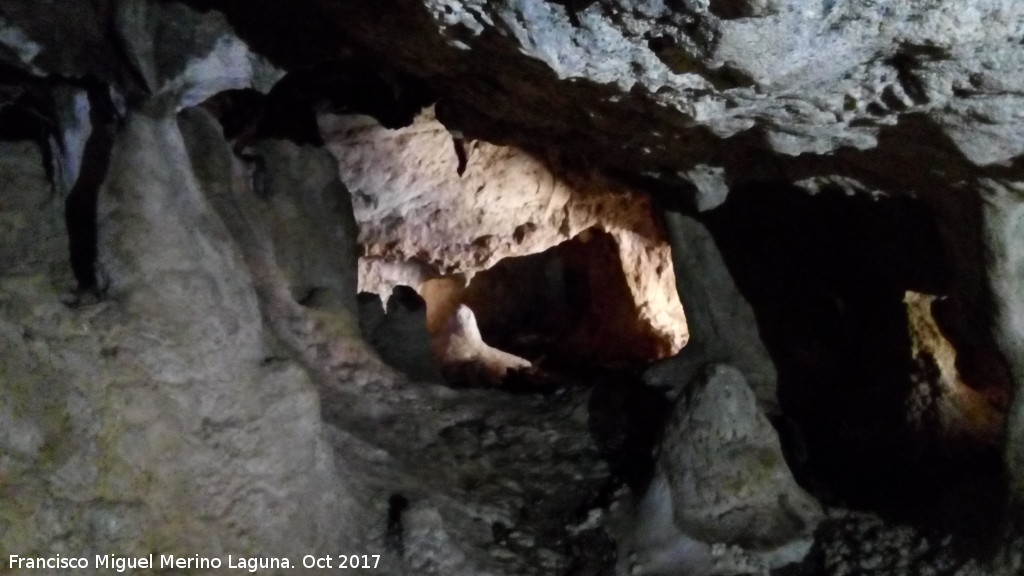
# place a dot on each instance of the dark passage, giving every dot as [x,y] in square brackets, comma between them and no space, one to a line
[567,308]
[827,276]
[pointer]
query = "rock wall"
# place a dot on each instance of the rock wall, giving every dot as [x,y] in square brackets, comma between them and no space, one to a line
[152,419]
[199,395]
[809,163]
[419,219]
[1003,212]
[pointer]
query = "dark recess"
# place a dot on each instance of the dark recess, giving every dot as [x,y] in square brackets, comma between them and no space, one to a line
[289,111]
[80,206]
[397,504]
[27,112]
[826,277]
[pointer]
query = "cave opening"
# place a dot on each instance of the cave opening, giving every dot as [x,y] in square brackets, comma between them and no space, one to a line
[852,295]
[559,316]
[565,308]
[846,289]
[523,269]
[401,277]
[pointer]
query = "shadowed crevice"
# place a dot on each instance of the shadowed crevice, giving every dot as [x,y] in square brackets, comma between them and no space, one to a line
[80,206]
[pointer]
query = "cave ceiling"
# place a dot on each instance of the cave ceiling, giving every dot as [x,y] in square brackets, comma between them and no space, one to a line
[695,95]
[834,189]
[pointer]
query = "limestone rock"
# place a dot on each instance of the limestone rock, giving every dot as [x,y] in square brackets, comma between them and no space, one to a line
[183,56]
[61,39]
[306,207]
[721,473]
[467,358]
[944,402]
[150,418]
[896,549]
[723,325]
[72,107]
[659,85]
[176,411]
[744,86]
[420,220]
[31,231]
[400,335]
[1004,225]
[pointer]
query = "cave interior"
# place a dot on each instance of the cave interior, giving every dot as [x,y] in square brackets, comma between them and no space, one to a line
[792,371]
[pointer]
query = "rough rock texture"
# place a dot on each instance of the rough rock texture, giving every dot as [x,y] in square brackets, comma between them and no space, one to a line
[943,402]
[682,86]
[749,496]
[305,207]
[1004,226]
[876,98]
[33,233]
[419,220]
[399,333]
[224,356]
[467,358]
[418,440]
[174,56]
[151,419]
[200,395]
[852,543]
[722,478]
[723,326]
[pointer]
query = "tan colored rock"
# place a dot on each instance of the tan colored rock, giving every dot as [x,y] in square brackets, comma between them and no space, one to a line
[943,401]
[419,220]
[468,359]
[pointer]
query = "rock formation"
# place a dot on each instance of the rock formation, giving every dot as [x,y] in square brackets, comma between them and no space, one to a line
[193,194]
[420,220]
[724,468]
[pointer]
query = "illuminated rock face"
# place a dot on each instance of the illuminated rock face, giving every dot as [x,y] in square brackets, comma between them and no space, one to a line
[840,183]
[419,221]
[969,405]
[572,301]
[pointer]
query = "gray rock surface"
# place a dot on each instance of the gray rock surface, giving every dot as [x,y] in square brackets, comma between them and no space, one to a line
[151,419]
[722,499]
[183,56]
[303,219]
[721,472]
[724,466]
[723,326]
[857,543]
[666,84]
[401,336]
[219,398]
[199,409]
[464,461]
[173,55]
[1004,228]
